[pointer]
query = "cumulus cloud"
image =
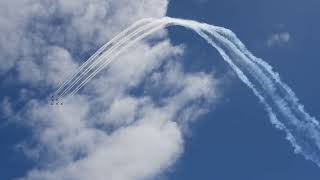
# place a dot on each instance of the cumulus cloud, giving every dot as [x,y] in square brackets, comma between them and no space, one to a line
[108,130]
[29,28]
[278,39]
[146,136]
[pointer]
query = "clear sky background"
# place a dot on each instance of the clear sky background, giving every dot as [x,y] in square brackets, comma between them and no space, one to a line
[234,140]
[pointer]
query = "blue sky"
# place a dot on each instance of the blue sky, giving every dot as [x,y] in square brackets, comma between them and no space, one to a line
[236,140]
[233,140]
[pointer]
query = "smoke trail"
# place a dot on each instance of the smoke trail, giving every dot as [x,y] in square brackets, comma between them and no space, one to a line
[303,130]
[115,52]
[90,62]
[280,102]
[107,55]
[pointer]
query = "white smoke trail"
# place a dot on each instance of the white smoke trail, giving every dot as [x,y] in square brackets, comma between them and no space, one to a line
[104,57]
[281,103]
[63,87]
[302,129]
[115,52]
[105,46]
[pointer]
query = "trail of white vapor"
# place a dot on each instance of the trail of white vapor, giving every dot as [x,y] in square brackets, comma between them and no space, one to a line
[114,52]
[64,86]
[302,129]
[280,102]
[104,57]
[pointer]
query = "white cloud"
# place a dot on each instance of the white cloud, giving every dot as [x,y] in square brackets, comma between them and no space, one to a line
[278,39]
[28,28]
[55,66]
[135,152]
[105,132]
[146,140]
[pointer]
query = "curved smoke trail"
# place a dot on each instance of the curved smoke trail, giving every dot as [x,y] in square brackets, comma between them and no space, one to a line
[280,102]
[92,61]
[118,49]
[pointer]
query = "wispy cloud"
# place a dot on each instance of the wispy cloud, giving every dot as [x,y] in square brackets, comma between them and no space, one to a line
[279,39]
